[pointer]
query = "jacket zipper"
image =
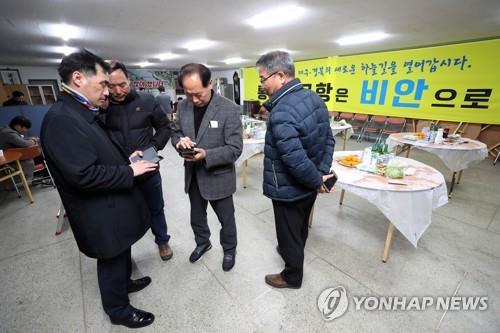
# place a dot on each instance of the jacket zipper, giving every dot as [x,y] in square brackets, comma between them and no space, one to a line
[275,177]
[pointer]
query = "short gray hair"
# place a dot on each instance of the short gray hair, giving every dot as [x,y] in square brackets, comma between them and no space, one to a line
[277,61]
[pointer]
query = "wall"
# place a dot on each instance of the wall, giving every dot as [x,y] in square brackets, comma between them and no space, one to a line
[35,73]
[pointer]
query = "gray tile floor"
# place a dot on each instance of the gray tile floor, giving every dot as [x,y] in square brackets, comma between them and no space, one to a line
[48,286]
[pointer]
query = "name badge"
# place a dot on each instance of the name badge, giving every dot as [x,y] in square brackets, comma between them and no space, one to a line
[214,124]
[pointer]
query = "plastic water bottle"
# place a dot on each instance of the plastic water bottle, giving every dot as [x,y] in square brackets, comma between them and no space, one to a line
[367,156]
[439,136]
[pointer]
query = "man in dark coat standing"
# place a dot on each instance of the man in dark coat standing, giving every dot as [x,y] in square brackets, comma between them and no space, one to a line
[135,121]
[297,158]
[106,211]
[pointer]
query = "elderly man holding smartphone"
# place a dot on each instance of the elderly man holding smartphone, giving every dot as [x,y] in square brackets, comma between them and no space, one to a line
[208,135]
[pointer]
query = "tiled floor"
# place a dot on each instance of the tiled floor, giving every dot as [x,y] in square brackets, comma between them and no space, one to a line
[48,286]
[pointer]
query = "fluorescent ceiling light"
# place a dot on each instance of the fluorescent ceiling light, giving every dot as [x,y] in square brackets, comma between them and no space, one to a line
[62,30]
[66,50]
[237,60]
[167,56]
[362,38]
[276,16]
[145,64]
[199,44]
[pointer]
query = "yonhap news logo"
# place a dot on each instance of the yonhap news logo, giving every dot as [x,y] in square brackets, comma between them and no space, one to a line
[333,302]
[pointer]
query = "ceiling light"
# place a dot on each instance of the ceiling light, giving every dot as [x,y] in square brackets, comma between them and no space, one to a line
[362,38]
[199,44]
[167,56]
[276,16]
[62,30]
[66,50]
[145,64]
[237,60]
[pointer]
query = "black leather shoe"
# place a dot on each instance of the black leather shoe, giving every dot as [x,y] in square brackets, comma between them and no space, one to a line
[136,319]
[228,261]
[139,284]
[199,251]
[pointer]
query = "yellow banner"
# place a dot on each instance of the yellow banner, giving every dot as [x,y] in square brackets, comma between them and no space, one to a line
[459,82]
[314,74]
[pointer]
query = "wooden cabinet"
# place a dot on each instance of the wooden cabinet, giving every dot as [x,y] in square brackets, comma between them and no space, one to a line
[41,94]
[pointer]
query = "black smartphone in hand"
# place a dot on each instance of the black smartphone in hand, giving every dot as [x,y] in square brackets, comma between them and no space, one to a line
[186,151]
[330,182]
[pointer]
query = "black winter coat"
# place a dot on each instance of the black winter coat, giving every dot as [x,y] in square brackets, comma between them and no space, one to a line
[138,123]
[107,213]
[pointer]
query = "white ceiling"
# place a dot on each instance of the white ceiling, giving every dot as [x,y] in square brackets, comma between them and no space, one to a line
[137,31]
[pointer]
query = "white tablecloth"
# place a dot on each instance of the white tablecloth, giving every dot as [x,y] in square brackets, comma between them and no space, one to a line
[336,129]
[250,147]
[456,157]
[408,207]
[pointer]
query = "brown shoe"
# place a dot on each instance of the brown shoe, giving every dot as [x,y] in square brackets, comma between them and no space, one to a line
[277,281]
[165,252]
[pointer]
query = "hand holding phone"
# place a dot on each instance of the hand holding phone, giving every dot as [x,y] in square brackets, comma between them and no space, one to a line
[330,182]
[186,151]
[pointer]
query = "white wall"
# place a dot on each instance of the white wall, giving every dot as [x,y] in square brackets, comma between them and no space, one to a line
[35,73]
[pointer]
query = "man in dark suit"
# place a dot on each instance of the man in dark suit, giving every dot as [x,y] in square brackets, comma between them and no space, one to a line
[106,211]
[211,125]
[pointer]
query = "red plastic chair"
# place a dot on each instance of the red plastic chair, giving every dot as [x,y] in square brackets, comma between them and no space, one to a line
[374,127]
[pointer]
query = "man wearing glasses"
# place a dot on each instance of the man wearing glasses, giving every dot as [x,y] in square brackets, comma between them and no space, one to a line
[297,156]
[208,135]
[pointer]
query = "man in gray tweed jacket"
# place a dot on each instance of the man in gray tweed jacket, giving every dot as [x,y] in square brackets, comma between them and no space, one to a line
[210,125]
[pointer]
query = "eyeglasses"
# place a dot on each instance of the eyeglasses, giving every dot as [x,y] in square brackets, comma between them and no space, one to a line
[262,80]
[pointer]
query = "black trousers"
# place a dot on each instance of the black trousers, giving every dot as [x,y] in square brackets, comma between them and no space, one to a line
[292,229]
[223,208]
[113,276]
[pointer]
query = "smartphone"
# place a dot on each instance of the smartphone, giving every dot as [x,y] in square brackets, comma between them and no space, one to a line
[330,182]
[186,151]
[149,155]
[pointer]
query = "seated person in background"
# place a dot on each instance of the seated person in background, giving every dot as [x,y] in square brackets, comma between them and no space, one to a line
[12,136]
[16,99]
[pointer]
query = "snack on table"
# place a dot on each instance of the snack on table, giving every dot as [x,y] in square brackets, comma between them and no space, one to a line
[349,160]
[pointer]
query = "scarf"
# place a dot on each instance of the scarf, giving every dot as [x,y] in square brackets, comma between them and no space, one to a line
[80,98]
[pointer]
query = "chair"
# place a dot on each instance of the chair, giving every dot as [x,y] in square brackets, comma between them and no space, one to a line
[375,126]
[41,172]
[358,123]
[347,116]
[393,125]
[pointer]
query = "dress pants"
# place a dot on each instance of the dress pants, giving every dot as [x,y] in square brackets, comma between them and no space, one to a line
[153,194]
[292,228]
[223,208]
[113,276]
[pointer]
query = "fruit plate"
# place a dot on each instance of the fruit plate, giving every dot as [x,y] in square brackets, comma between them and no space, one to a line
[347,165]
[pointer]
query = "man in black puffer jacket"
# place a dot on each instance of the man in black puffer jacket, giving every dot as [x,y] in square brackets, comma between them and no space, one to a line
[135,121]
[297,158]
